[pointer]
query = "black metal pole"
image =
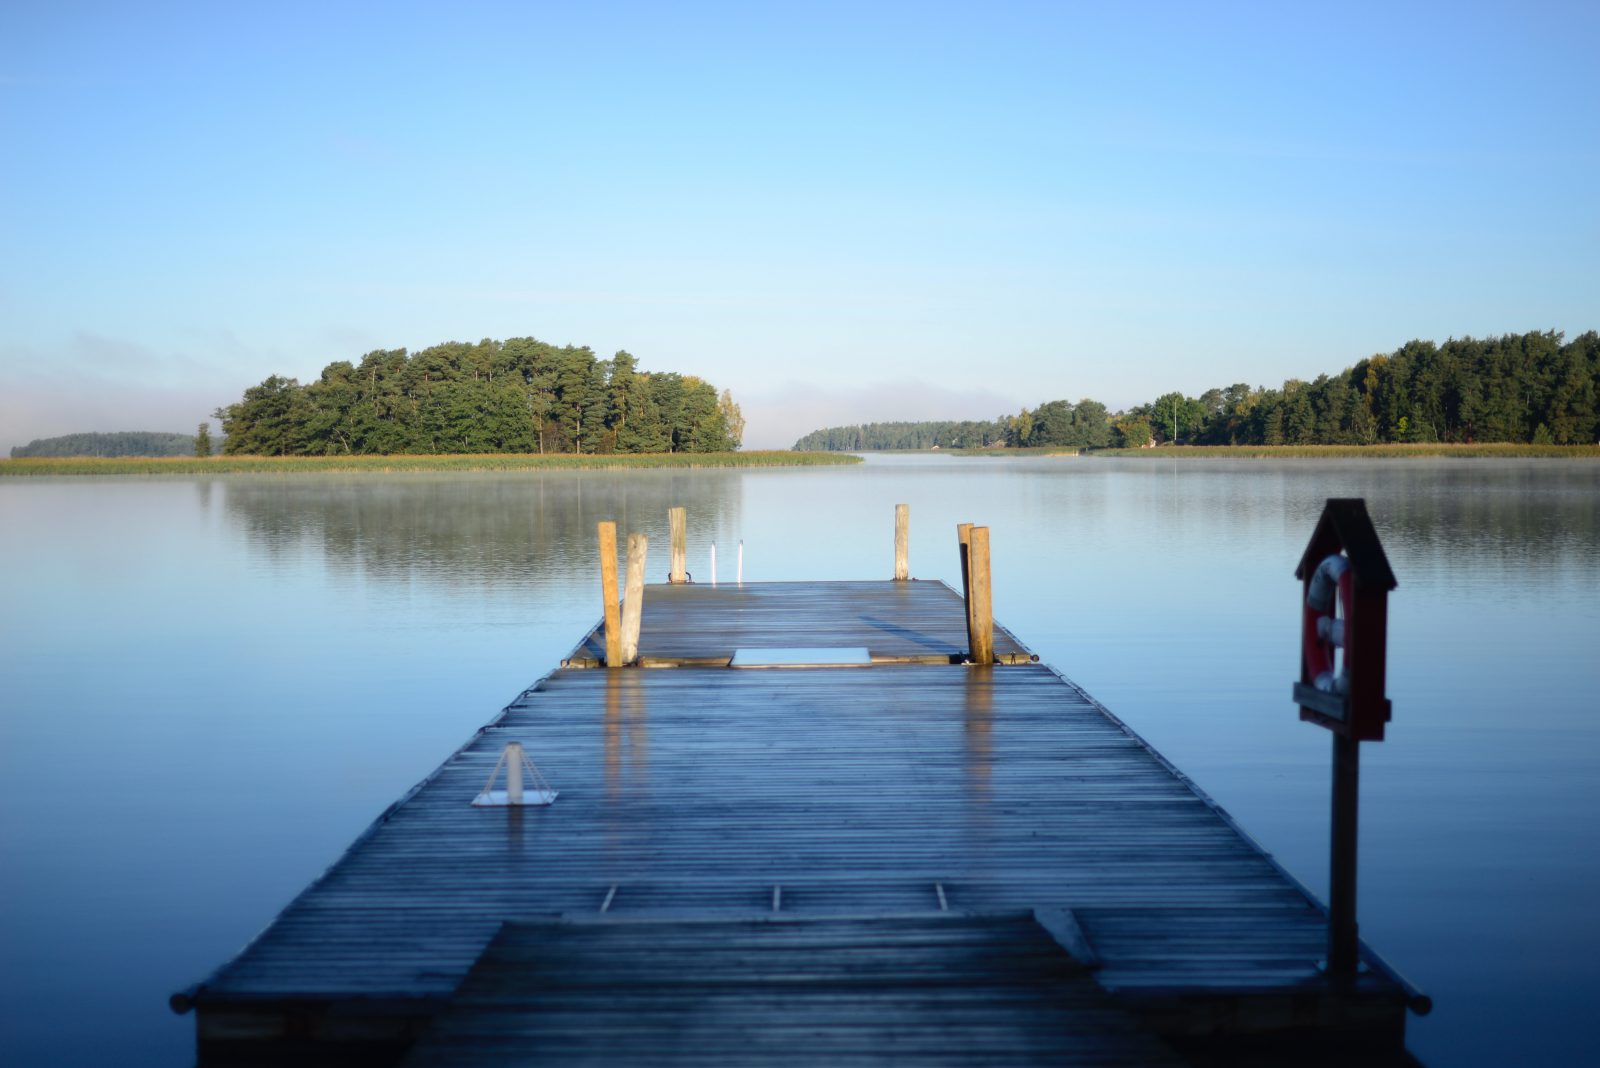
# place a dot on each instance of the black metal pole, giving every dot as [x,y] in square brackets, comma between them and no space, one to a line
[1343,954]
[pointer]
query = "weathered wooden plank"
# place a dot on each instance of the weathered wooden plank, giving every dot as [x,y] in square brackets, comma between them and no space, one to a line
[897,621]
[989,989]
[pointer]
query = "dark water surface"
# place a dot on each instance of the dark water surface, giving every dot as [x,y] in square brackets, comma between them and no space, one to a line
[209,687]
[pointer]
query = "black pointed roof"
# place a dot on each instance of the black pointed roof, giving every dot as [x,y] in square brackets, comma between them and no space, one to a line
[1345,524]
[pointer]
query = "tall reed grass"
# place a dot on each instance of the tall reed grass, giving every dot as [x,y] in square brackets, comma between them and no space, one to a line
[288,465]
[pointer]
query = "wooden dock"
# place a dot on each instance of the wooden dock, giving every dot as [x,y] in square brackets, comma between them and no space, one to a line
[703,809]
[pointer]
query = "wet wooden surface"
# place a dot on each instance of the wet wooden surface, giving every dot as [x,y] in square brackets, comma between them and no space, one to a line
[936,989]
[917,621]
[894,788]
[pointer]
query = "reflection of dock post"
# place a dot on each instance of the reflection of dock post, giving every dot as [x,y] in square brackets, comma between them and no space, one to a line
[678,523]
[633,597]
[902,542]
[608,593]
[980,600]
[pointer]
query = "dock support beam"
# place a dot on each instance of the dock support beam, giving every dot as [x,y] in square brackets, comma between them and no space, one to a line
[608,593]
[1344,954]
[678,523]
[902,542]
[980,602]
[633,597]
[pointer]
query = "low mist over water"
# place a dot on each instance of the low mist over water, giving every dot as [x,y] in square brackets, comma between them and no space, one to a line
[211,686]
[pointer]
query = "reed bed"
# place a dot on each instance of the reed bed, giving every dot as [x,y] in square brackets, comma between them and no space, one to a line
[289,465]
[1359,452]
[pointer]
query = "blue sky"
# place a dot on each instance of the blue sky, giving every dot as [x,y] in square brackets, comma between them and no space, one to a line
[840,212]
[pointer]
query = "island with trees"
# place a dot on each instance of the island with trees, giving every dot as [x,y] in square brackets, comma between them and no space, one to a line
[520,395]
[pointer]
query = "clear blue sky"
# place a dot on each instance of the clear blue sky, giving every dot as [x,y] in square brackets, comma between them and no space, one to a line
[840,212]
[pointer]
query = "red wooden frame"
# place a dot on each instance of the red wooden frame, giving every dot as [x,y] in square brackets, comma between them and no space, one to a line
[1363,711]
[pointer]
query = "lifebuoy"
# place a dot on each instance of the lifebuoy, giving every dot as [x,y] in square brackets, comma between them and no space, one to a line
[1323,630]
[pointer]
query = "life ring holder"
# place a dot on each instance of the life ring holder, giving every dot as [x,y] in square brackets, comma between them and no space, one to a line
[1325,626]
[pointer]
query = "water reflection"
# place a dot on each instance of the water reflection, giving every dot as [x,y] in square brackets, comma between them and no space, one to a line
[1490,512]
[331,636]
[469,531]
[978,735]
[627,735]
[978,758]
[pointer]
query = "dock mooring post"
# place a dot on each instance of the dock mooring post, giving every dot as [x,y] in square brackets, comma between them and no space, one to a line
[981,601]
[633,597]
[964,547]
[902,542]
[608,593]
[678,523]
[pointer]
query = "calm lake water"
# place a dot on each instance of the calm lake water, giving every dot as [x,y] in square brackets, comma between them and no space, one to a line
[208,687]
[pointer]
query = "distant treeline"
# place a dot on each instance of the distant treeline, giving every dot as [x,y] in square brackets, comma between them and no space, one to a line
[121,443]
[521,395]
[868,436]
[1527,388]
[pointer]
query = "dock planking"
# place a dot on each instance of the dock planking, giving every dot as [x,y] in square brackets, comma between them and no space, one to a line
[936,989]
[894,790]
[702,626]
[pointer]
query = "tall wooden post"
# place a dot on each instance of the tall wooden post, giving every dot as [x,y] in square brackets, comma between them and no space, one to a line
[608,593]
[902,542]
[633,597]
[982,613]
[964,546]
[1344,950]
[678,523]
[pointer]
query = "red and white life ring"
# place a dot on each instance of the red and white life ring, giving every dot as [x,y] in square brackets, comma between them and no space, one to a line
[1325,625]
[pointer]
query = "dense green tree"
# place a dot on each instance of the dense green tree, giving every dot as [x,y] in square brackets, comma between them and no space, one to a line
[1174,414]
[1133,432]
[202,440]
[271,420]
[1052,424]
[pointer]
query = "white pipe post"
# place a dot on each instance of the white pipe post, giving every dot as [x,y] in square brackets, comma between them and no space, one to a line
[713,563]
[741,562]
[513,757]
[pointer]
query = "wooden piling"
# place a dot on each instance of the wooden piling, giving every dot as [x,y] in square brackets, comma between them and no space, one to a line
[633,597]
[964,547]
[678,522]
[980,601]
[608,593]
[902,542]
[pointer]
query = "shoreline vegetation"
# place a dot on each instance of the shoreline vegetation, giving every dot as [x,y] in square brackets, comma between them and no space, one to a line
[235,464]
[1529,388]
[1399,451]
